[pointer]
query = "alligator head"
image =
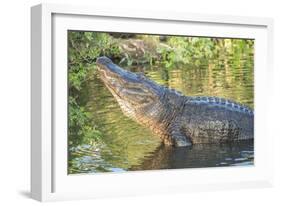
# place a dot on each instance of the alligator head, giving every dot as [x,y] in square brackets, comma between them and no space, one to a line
[139,97]
[134,92]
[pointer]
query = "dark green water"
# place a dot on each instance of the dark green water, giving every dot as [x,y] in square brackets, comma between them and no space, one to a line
[128,146]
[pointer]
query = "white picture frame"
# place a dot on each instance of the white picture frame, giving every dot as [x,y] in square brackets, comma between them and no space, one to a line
[49,179]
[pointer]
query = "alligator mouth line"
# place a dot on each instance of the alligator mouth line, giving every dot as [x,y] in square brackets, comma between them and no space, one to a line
[110,87]
[115,92]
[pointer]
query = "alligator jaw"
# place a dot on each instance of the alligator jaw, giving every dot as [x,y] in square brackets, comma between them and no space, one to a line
[137,96]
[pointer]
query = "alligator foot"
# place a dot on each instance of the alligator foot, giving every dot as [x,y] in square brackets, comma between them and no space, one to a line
[180,139]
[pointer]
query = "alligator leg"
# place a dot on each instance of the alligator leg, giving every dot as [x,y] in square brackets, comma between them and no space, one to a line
[179,137]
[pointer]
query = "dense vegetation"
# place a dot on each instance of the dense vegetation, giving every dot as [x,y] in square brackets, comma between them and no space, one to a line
[127,49]
[83,49]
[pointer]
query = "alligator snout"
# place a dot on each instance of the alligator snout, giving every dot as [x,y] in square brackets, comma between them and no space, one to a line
[103,60]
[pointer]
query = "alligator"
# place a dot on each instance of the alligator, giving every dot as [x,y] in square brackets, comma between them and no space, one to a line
[177,119]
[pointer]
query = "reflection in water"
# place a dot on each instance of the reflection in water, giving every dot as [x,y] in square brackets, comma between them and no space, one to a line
[203,155]
[129,146]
